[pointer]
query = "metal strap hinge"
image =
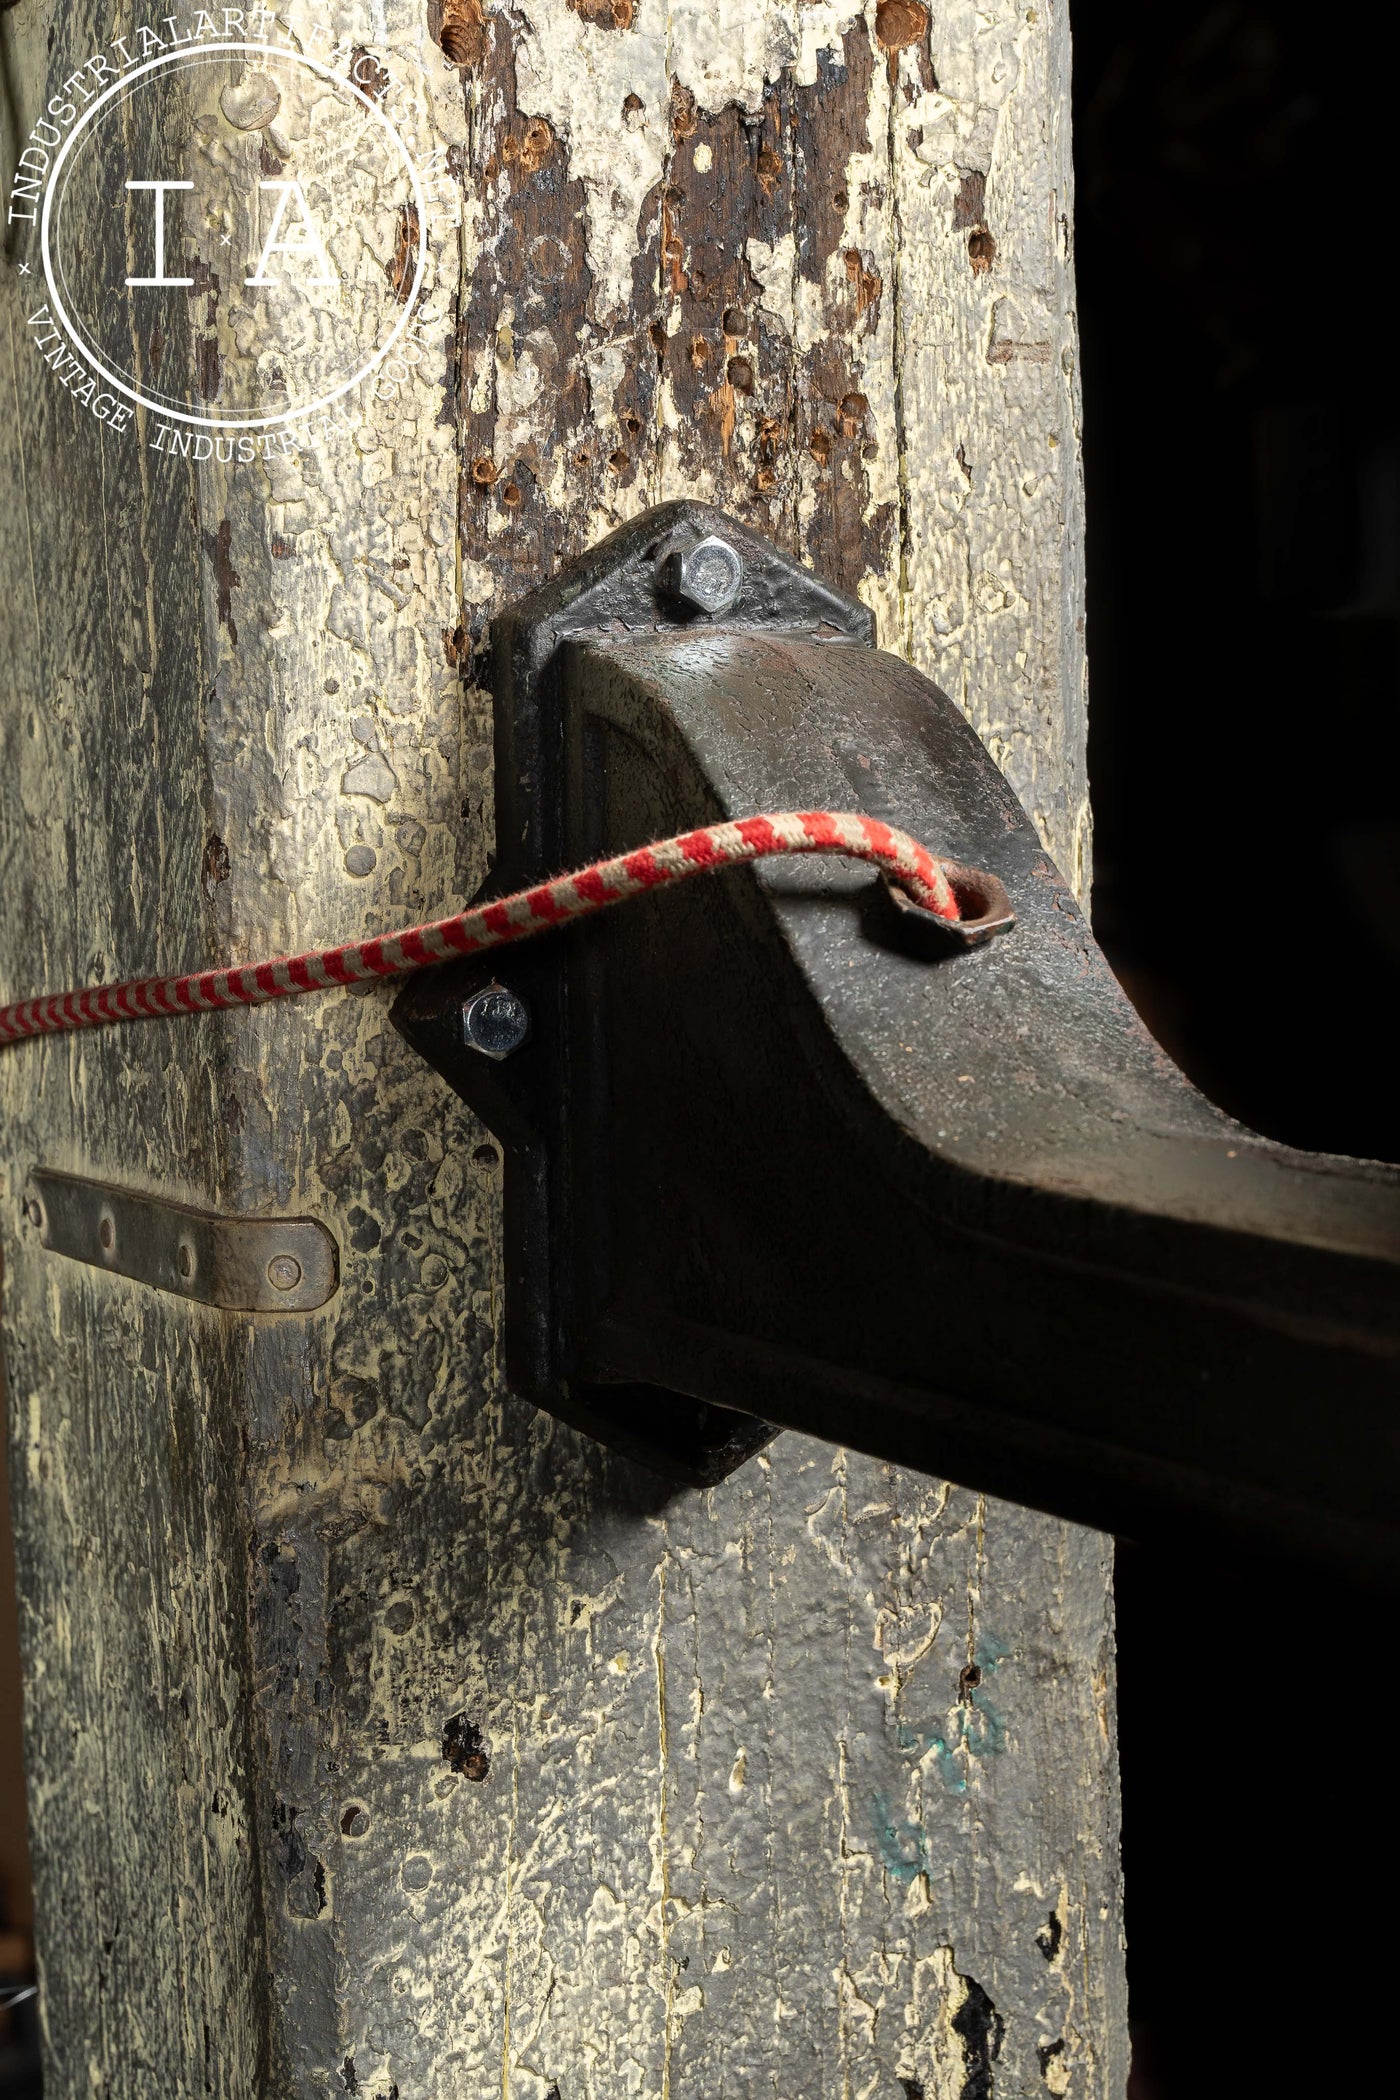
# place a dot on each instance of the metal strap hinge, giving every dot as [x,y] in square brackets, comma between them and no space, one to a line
[263,1265]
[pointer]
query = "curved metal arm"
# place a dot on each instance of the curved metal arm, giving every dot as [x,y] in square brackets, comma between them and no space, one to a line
[958,1209]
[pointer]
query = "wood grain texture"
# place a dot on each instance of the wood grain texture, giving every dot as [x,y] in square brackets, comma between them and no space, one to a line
[385,1736]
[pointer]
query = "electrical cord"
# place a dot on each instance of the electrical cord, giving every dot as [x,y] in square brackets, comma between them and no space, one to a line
[548,904]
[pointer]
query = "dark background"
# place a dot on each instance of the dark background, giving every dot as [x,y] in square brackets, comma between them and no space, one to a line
[1235,252]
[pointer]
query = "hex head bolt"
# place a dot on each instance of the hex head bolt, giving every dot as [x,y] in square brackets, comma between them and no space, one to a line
[495,1021]
[705,577]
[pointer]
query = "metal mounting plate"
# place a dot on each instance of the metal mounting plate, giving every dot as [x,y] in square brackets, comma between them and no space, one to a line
[621,588]
[262,1265]
[955,1208]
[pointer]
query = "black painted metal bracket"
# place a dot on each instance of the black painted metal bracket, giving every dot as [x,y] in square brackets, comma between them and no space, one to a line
[769,1163]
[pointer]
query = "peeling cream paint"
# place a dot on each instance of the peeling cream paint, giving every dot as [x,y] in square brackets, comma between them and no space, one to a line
[673,1793]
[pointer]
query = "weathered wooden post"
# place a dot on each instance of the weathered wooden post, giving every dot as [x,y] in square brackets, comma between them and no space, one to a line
[383,1735]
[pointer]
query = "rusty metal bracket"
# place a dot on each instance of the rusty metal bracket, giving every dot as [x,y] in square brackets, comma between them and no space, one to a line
[770,1162]
[259,1265]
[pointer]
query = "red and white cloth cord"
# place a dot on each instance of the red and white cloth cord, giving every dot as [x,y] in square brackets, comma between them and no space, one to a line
[514,918]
